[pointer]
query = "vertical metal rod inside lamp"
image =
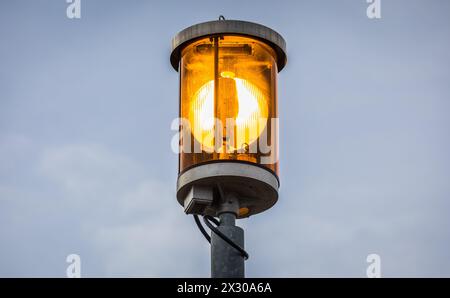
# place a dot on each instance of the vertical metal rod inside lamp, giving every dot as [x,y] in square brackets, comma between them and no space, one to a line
[216,92]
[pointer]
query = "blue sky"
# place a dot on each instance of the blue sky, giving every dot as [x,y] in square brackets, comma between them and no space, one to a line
[86,165]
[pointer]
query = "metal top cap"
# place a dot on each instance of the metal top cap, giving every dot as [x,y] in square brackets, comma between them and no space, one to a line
[222,26]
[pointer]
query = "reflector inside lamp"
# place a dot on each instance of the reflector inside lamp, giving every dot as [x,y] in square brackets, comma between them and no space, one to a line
[251,107]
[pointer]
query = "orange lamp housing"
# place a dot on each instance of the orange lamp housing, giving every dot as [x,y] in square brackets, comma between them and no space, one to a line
[228,116]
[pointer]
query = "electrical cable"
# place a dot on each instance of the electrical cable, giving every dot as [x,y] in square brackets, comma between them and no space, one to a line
[207,220]
[201,228]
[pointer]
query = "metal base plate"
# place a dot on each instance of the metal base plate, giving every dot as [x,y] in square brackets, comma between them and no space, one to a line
[255,187]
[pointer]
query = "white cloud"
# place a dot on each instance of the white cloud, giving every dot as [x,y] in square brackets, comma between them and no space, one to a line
[132,222]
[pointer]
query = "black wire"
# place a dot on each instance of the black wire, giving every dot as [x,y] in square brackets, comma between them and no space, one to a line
[207,220]
[201,228]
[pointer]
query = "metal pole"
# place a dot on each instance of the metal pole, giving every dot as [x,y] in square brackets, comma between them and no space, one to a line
[226,261]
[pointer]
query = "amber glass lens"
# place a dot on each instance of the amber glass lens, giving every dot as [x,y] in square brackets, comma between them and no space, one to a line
[228,99]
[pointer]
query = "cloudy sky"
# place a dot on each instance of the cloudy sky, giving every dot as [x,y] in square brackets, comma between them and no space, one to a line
[86,165]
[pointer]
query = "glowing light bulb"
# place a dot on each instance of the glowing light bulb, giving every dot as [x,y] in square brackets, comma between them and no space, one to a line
[227,74]
[251,107]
